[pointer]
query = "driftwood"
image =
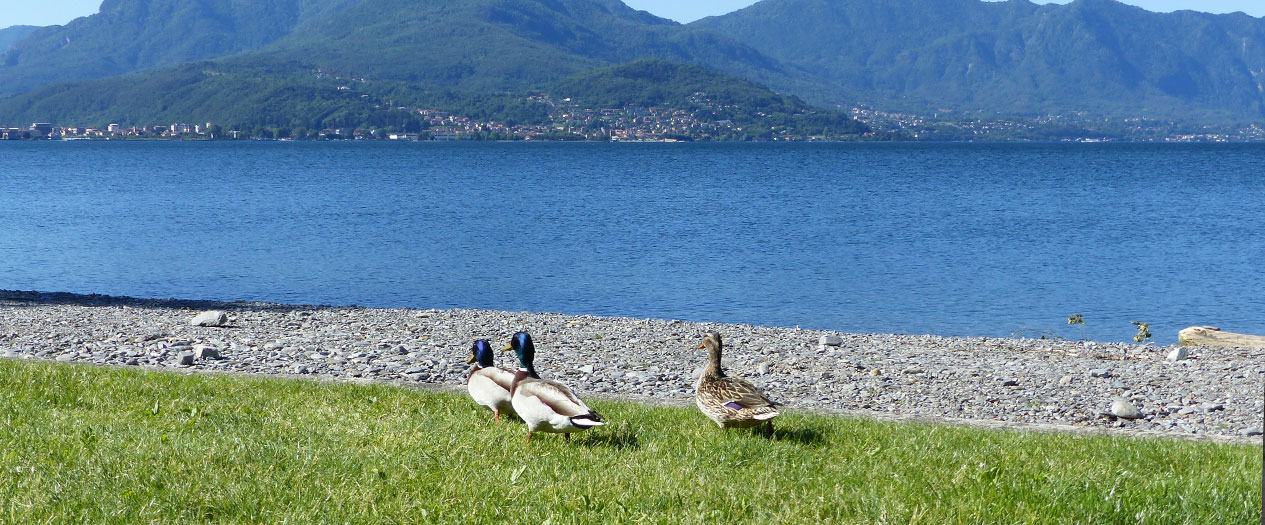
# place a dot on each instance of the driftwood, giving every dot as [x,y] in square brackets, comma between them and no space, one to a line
[1213,336]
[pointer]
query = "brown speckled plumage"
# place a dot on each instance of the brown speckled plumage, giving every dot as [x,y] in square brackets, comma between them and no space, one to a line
[729,401]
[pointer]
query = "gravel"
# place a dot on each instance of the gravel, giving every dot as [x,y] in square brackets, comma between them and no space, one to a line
[1031,384]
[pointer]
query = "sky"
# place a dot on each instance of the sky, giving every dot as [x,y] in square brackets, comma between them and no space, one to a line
[49,12]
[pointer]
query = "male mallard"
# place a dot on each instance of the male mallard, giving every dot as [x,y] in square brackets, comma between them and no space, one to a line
[489,385]
[547,406]
[730,401]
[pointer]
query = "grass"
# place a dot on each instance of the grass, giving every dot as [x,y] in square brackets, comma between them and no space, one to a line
[82,444]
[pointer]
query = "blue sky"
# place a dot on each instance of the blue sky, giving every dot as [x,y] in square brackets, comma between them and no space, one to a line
[49,12]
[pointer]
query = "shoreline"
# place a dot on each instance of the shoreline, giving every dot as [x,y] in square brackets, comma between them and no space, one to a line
[1002,383]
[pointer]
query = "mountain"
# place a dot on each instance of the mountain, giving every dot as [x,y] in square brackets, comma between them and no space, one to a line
[420,52]
[14,34]
[133,35]
[1014,57]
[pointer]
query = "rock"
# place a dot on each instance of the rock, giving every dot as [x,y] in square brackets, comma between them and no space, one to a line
[274,346]
[133,362]
[831,340]
[205,352]
[10,354]
[214,318]
[1179,354]
[65,358]
[1211,407]
[303,369]
[1250,432]
[586,369]
[1123,409]
[1009,382]
[1100,372]
[1065,381]
[414,370]
[186,358]
[762,368]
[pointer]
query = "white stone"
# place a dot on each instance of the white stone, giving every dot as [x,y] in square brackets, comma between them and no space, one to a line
[831,340]
[1123,409]
[1179,354]
[211,318]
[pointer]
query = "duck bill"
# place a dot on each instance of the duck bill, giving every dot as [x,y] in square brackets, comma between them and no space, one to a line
[508,348]
[473,359]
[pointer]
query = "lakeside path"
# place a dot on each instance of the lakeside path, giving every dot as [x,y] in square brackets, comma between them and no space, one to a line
[1027,384]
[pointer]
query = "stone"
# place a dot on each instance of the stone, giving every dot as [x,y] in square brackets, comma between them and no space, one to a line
[831,340]
[214,318]
[1123,409]
[1065,381]
[1250,432]
[186,358]
[586,369]
[65,358]
[1009,382]
[205,352]
[1211,407]
[414,370]
[1179,354]
[762,368]
[133,362]
[274,346]
[1100,372]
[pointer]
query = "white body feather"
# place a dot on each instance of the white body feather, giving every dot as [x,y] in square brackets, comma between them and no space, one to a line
[549,406]
[490,388]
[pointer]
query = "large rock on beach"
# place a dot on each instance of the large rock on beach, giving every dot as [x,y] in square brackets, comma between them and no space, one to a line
[216,318]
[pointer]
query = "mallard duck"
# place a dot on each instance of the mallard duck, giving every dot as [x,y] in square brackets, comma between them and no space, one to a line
[730,401]
[489,385]
[546,406]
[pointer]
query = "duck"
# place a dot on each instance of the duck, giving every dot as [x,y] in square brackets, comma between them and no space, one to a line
[545,405]
[731,402]
[489,385]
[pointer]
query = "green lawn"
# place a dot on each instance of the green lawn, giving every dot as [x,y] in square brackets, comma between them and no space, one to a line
[82,444]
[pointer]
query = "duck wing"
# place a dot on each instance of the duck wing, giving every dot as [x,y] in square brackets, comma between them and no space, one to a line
[732,392]
[557,397]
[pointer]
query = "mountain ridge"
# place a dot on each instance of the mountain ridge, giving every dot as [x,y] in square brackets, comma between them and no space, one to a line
[1092,58]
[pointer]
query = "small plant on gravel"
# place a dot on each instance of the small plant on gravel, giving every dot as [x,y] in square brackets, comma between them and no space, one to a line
[1144,331]
[1079,321]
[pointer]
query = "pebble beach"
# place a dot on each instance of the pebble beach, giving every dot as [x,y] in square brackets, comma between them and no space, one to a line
[1025,384]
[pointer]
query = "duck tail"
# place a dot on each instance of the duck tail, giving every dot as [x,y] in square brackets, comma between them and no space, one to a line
[765,416]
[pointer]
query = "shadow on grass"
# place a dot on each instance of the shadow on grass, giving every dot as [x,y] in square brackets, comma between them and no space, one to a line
[619,439]
[802,436]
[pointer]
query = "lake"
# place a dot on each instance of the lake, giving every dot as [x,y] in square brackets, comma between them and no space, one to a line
[949,239]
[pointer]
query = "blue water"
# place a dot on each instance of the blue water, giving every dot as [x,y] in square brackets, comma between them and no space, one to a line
[951,239]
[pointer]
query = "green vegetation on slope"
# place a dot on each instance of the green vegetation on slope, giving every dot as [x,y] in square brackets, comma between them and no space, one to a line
[82,444]
[12,35]
[133,35]
[1014,58]
[707,95]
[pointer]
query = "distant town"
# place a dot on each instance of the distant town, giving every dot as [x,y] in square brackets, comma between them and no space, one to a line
[567,121]
[570,122]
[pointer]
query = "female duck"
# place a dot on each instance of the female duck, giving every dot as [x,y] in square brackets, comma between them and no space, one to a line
[730,401]
[546,406]
[489,385]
